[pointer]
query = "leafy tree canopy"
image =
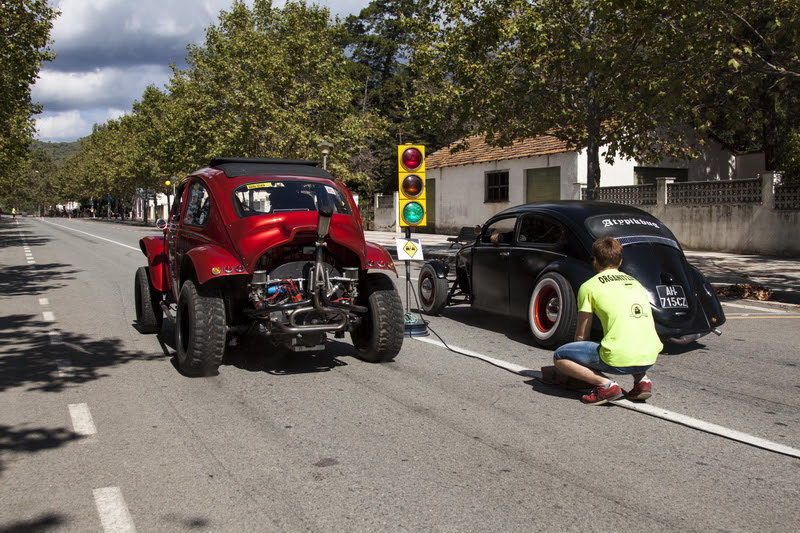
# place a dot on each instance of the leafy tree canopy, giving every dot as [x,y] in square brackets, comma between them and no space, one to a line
[24,32]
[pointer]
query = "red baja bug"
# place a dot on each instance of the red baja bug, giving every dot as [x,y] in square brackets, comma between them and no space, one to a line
[270,246]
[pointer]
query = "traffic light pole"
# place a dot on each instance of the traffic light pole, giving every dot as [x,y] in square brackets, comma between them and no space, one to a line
[411,211]
[408,273]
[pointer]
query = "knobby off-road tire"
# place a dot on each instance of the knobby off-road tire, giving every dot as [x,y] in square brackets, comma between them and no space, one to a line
[149,314]
[379,337]
[432,291]
[553,311]
[200,330]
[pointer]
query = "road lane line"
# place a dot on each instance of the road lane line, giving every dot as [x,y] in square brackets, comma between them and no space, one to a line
[82,421]
[55,337]
[44,301]
[708,427]
[64,367]
[114,514]
[92,235]
[752,308]
[48,316]
[741,317]
[644,408]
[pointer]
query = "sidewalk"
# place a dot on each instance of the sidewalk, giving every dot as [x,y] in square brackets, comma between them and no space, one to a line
[722,269]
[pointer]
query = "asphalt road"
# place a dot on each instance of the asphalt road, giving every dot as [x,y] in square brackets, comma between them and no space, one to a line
[99,432]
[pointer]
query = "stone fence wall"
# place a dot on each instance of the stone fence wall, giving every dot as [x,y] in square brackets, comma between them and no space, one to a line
[747,216]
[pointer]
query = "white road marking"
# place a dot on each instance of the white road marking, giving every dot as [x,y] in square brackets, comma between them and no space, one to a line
[64,368]
[752,308]
[708,427]
[82,421]
[677,418]
[55,337]
[44,301]
[114,514]
[48,316]
[92,235]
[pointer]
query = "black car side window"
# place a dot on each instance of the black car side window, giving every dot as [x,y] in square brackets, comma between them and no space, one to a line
[539,230]
[198,205]
[500,231]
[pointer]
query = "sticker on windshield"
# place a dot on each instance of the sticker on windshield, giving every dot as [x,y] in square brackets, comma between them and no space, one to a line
[259,185]
[671,297]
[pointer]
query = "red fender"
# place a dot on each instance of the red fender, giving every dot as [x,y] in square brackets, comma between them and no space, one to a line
[211,261]
[378,257]
[153,248]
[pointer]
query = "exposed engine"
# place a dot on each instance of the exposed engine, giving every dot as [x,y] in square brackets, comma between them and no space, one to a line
[302,301]
[298,281]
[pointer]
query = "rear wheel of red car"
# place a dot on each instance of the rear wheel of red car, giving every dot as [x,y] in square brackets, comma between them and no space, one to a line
[432,291]
[149,314]
[200,330]
[380,335]
[552,312]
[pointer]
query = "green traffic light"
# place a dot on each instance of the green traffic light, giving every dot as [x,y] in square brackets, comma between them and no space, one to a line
[413,213]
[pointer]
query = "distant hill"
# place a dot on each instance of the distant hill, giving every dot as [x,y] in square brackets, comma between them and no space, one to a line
[58,152]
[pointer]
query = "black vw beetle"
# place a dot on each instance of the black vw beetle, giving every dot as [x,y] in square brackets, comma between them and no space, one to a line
[529,261]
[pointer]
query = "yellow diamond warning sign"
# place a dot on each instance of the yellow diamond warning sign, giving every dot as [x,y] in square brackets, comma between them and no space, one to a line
[409,250]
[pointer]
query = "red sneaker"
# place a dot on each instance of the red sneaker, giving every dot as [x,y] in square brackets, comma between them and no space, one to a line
[599,395]
[641,391]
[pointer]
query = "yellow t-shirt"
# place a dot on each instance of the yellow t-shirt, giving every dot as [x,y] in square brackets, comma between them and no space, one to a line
[622,305]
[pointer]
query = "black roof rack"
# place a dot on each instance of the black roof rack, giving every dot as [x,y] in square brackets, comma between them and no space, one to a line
[234,167]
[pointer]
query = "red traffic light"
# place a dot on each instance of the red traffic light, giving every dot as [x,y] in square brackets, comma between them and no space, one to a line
[411,158]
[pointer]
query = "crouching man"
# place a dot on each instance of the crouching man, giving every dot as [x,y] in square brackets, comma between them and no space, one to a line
[630,344]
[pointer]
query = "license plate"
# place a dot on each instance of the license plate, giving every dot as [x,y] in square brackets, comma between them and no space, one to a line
[671,297]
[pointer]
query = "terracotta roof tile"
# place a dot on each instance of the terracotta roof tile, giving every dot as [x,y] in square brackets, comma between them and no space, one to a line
[480,152]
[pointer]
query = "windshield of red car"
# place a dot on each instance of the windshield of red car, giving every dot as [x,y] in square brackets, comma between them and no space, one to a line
[276,196]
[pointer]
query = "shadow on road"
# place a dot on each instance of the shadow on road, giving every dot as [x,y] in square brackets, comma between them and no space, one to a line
[256,353]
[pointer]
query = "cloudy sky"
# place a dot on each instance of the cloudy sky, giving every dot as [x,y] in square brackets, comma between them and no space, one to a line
[109,51]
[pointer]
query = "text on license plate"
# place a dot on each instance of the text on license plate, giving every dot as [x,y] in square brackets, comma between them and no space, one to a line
[671,297]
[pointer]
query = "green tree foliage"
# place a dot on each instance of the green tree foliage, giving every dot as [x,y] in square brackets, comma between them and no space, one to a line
[59,152]
[267,82]
[272,82]
[647,79]
[378,41]
[24,31]
[755,91]
[625,76]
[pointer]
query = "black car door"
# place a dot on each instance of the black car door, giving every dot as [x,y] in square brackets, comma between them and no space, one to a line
[491,257]
[540,241]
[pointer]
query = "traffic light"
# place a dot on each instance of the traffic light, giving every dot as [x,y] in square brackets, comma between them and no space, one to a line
[411,184]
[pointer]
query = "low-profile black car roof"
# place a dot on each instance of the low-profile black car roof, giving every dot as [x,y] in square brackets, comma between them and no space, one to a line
[598,219]
[235,167]
[578,210]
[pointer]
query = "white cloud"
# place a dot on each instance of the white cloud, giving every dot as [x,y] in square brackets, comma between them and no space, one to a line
[61,126]
[116,87]
[67,126]
[109,51]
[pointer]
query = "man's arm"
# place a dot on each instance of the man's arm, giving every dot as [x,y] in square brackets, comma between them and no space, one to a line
[584,327]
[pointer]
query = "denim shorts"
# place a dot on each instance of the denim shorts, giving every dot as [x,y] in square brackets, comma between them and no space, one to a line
[587,353]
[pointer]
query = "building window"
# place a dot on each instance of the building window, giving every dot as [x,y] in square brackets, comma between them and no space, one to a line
[497,186]
[542,184]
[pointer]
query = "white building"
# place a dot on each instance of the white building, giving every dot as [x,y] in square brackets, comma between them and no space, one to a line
[467,187]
